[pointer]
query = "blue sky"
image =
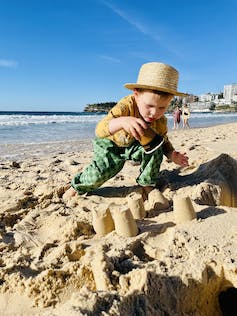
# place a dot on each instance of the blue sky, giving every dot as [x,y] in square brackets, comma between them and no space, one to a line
[63,54]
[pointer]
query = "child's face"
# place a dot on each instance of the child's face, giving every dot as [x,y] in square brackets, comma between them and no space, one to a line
[151,106]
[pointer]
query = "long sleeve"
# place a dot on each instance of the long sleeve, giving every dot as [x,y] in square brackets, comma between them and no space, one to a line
[102,128]
[125,107]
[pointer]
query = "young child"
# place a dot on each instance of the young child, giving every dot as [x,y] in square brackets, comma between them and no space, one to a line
[119,132]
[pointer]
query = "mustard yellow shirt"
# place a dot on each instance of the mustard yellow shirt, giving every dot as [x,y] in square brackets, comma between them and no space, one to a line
[128,107]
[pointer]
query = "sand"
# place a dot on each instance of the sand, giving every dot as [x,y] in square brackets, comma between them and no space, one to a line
[53,263]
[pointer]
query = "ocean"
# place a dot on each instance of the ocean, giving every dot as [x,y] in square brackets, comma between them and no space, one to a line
[40,127]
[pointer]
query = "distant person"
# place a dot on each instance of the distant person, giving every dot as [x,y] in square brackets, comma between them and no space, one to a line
[185,116]
[119,133]
[177,116]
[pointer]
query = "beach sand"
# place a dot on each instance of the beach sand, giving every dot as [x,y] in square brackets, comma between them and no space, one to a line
[53,263]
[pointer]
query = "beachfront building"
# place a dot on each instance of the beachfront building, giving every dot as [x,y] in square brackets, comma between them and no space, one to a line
[210,101]
[200,106]
[235,97]
[204,102]
[207,97]
[230,91]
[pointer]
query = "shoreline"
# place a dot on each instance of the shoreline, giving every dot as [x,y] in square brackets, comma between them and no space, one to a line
[20,151]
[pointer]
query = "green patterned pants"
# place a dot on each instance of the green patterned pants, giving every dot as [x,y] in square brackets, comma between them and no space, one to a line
[109,159]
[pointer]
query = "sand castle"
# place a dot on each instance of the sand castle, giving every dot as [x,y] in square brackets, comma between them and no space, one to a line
[183,209]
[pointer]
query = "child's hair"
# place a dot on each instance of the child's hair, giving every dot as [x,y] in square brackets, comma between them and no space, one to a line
[161,93]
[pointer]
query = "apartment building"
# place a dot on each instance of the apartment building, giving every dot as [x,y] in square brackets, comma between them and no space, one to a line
[230,92]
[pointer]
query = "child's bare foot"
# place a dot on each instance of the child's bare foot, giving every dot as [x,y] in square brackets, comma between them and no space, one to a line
[70,193]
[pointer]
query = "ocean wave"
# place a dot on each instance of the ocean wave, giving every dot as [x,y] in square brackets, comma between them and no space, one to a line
[30,128]
[26,119]
[21,120]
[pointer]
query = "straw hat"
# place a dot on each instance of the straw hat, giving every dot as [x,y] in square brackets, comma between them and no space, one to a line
[157,76]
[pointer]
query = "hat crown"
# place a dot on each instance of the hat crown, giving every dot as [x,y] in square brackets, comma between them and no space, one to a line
[158,75]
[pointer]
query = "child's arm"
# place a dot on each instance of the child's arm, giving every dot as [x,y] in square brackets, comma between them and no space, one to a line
[132,125]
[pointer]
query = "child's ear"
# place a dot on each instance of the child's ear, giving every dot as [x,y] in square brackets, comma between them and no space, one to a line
[135,92]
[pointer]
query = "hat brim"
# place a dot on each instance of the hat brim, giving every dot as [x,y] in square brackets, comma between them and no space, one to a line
[132,86]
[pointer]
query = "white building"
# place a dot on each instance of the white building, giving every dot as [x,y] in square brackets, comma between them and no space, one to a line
[200,106]
[208,97]
[235,97]
[230,91]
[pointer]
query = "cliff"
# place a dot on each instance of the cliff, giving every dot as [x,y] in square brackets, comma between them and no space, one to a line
[99,107]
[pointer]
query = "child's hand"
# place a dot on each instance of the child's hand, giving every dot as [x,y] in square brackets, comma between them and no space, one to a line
[132,125]
[179,159]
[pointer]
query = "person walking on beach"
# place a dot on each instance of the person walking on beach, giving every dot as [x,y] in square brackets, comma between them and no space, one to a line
[185,116]
[177,115]
[119,133]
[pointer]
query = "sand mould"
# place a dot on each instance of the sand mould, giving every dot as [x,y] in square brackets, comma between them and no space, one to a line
[53,263]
